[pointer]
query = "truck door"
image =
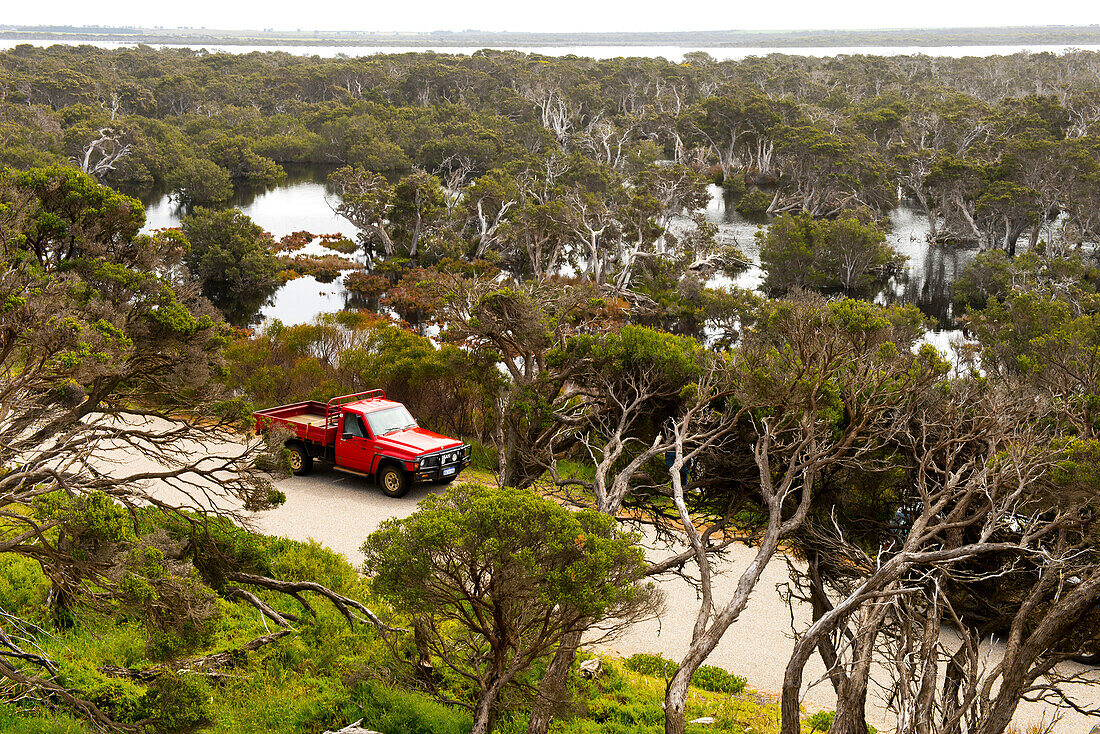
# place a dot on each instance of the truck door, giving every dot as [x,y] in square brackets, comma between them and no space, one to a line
[354,446]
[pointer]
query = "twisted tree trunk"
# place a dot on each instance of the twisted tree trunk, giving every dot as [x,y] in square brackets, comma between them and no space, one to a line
[552,688]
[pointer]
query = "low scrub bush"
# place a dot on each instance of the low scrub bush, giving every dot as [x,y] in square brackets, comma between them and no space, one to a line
[649,664]
[179,704]
[707,677]
[754,202]
[718,680]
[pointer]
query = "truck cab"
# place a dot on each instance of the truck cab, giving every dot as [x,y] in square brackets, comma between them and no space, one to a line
[370,436]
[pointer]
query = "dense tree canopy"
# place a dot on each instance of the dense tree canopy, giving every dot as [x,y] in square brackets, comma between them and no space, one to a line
[232,257]
[513,571]
[532,246]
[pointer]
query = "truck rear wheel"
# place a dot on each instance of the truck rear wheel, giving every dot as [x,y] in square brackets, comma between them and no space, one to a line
[393,481]
[301,463]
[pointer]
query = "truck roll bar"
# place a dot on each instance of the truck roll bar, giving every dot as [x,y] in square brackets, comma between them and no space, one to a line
[344,399]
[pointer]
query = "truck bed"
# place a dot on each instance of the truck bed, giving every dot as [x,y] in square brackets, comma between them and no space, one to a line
[306,420]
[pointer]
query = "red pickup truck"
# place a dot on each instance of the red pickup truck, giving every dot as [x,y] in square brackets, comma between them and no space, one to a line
[366,435]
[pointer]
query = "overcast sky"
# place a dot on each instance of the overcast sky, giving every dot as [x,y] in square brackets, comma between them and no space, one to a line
[551,15]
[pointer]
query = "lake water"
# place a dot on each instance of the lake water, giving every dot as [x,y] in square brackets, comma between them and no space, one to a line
[299,203]
[672,53]
[303,202]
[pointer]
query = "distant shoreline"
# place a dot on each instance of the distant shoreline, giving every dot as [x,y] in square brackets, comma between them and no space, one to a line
[929,37]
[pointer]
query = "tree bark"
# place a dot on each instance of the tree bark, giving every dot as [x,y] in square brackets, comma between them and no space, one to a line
[486,705]
[552,688]
[676,699]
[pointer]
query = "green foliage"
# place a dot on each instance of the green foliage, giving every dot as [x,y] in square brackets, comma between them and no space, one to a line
[625,703]
[200,181]
[23,587]
[120,699]
[718,680]
[14,719]
[671,361]
[995,275]
[446,388]
[800,251]
[496,577]
[233,259]
[651,664]
[582,562]
[235,155]
[395,711]
[179,703]
[756,201]
[706,677]
[821,721]
[484,457]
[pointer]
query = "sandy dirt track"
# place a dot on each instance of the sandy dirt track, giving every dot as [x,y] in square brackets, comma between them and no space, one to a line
[339,510]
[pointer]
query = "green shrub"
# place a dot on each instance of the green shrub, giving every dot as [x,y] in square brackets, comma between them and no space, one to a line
[484,457]
[646,663]
[23,586]
[717,680]
[120,699]
[707,677]
[821,721]
[756,201]
[735,186]
[178,704]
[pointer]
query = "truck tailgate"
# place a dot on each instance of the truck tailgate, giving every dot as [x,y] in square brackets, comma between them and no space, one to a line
[306,420]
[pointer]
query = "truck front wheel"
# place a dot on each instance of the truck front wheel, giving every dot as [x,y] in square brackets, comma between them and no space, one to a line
[300,462]
[393,481]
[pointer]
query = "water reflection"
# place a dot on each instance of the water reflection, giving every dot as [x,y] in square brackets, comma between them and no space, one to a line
[299,202]
[930,270]
[925,281]
[302,202]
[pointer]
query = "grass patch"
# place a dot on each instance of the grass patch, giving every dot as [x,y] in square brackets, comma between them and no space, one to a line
[329,674]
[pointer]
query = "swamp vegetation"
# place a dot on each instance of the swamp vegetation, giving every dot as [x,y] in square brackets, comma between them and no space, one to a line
[540,281]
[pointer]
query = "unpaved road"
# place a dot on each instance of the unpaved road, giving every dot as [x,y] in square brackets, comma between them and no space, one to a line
[340,510]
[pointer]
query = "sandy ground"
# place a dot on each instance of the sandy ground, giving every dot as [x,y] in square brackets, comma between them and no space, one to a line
[339,510]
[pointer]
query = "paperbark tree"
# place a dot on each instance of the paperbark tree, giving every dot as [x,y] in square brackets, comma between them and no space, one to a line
[817,385]
[974,465]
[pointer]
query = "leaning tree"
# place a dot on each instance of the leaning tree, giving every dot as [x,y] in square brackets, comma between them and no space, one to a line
[111,409]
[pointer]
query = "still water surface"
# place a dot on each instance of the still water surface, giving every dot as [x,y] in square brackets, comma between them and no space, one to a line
[671,53]
[302,202]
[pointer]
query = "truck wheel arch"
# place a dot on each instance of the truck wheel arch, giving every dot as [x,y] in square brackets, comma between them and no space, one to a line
[392,478]
[301,463]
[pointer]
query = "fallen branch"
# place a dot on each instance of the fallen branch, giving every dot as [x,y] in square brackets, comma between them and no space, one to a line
[346,605]
[48,689]
[208,665]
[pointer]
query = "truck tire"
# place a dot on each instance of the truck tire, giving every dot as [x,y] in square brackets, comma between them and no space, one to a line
[301,463]
[393,481]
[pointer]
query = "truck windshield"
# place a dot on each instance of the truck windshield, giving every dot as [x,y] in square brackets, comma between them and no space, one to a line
[389,420]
